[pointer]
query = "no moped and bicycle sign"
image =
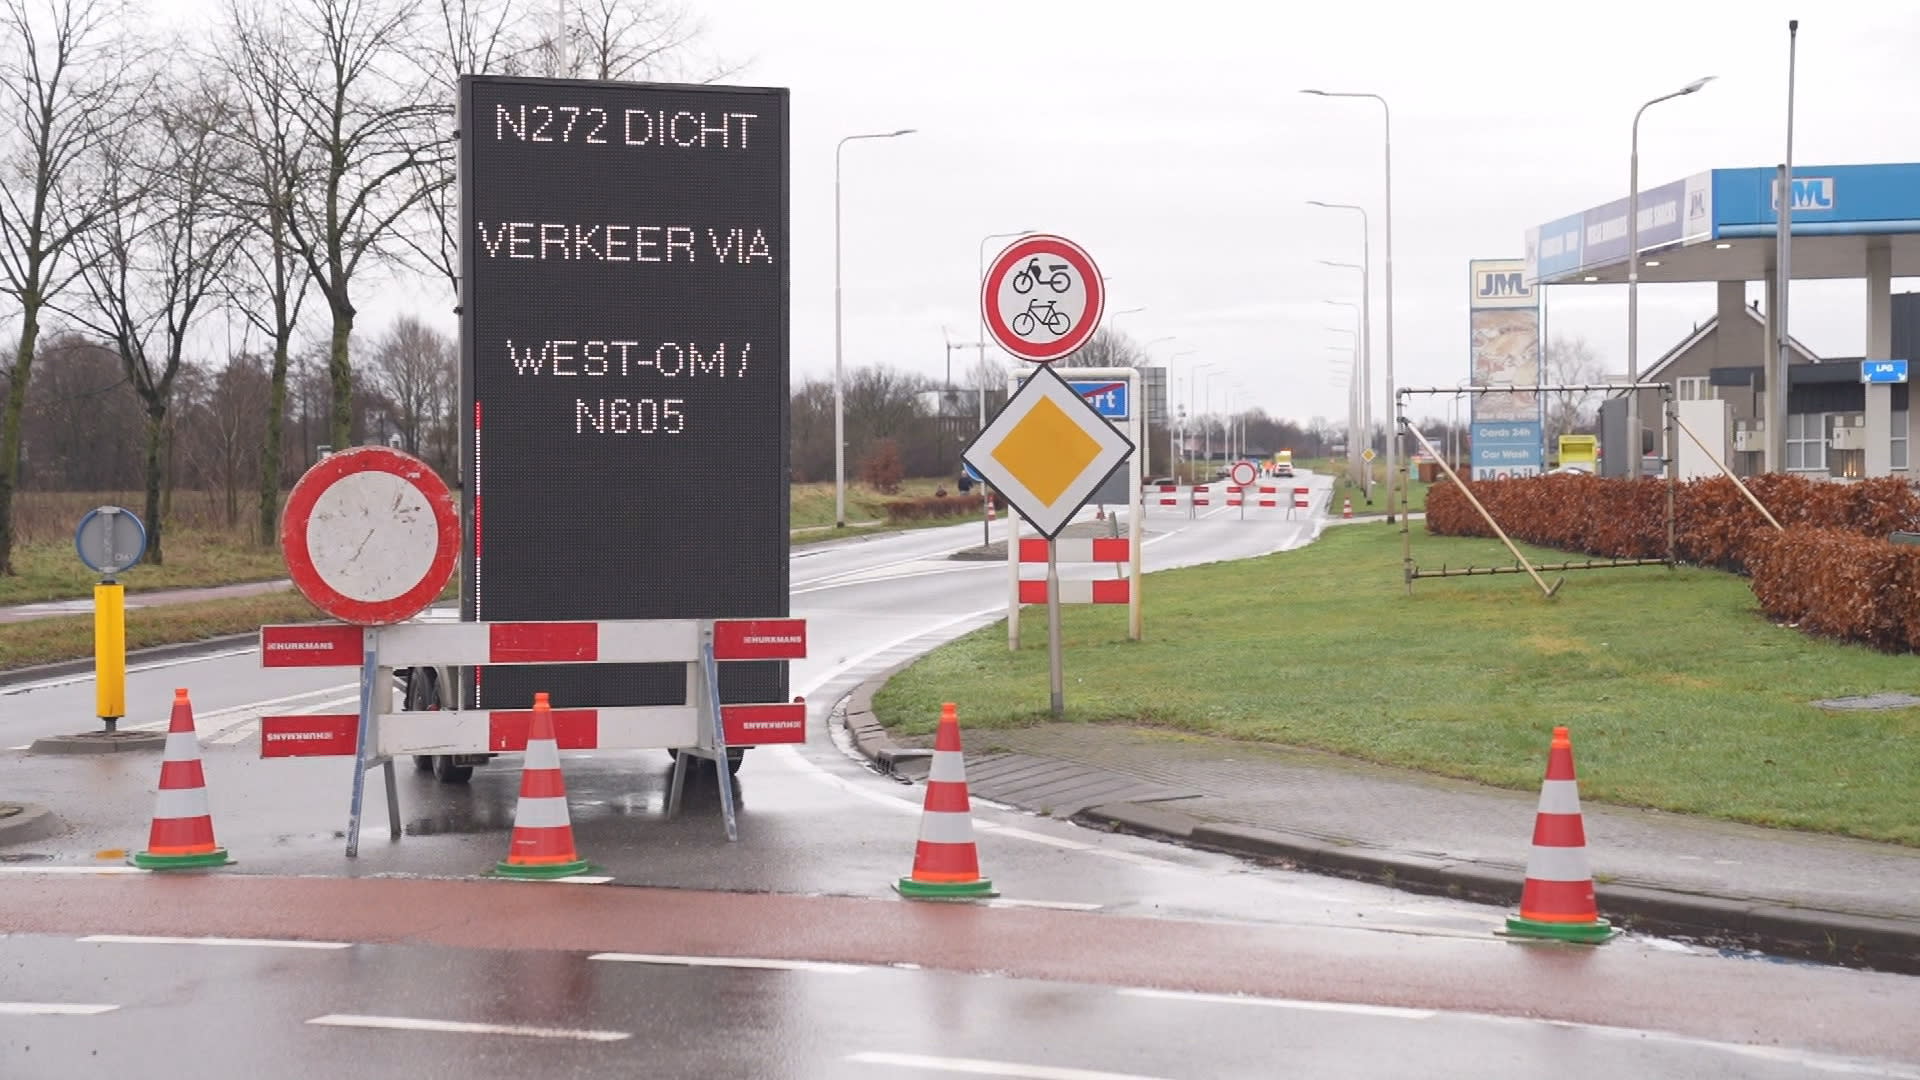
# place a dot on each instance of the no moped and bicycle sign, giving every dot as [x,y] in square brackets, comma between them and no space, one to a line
[1042,298]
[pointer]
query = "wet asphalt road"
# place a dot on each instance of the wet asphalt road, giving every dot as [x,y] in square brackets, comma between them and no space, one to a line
[191,1011]
[816,827]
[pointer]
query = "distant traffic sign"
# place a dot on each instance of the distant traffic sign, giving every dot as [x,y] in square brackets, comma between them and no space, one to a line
[110,539]
[1368,455]
[370,535]
[1107,397]
[1042,298]
[1883,371]
[1047,451]
[972,473]
[1244,473]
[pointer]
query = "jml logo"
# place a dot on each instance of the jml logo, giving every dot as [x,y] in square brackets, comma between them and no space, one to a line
[1809,193]
[1500,283]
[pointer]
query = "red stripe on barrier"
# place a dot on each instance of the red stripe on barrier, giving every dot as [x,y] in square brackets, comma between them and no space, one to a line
[1112,591]
[558,643]
[1110,549]
[573,729]
[760,639]
[764,725]
[319,645]
[329,735]
[1559,830]
[1033,591]
[1033,549]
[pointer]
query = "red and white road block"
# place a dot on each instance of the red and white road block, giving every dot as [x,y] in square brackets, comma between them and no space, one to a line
[494,731]
[1202,496]
[1104,549]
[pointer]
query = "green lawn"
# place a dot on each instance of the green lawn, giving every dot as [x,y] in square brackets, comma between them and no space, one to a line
[1345,489]
[48,569]
[812,504]
[1679,693]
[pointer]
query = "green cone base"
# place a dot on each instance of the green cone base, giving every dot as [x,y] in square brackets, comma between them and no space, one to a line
[932,890]
[1592,933]
[146,861]
[545,871]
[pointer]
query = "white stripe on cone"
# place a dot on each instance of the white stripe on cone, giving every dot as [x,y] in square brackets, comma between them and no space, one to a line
[1560,797]
[181,746]
[948,767]
[946,827]
[1558,864]
[542,754]
[181,803]
[540,813]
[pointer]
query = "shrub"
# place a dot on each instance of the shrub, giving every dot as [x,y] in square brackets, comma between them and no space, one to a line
[930,508]
[882,470]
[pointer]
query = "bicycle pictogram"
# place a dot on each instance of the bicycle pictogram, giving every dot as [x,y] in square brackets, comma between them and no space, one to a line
[1037,314]
[1054,275]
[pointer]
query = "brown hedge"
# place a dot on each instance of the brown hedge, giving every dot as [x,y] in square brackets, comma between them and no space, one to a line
[1832,572]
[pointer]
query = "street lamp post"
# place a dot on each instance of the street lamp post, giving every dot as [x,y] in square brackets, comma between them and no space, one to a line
[1393,435]
[839,392]
[1633,277]
[1365,267]
[1362,421]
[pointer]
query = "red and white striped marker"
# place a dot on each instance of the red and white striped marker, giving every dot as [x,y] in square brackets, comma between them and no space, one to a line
[1101,591]
[182,833]
[542,844]
[1557,899]
[1346,510]
[946,864]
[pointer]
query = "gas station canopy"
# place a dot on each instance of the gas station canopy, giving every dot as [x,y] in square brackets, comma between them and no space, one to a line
[1720,225]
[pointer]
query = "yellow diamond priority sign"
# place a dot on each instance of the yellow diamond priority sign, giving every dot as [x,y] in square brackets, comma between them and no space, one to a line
[1047,451]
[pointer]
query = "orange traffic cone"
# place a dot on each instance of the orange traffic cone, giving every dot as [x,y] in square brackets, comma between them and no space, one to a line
[182,833]
[946,865]
[1557,900]
[1346,509]
[542,832]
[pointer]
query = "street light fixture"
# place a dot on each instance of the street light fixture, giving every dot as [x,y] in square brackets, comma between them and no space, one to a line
[1386,115]
[1633,276]
[839,392]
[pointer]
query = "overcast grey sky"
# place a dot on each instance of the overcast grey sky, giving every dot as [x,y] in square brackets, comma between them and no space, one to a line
[1170,140]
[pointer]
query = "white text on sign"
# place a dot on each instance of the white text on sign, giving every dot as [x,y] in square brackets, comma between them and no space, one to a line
[595,126]
[555,241]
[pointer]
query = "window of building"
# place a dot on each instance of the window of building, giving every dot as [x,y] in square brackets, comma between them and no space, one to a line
[1899,455]
[1694,388]
[1807,441]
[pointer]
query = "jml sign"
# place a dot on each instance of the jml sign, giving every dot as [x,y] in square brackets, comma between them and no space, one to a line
[1504,336]
[1810,193]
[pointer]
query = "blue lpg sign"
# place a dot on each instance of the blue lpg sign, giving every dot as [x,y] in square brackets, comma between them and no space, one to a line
[1883,371]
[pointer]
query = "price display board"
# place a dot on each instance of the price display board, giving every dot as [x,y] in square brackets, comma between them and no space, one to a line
[623,337]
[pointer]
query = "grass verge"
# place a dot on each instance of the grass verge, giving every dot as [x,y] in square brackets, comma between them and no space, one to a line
[47,569]
[1681,696]
[47,641]
[1346,489]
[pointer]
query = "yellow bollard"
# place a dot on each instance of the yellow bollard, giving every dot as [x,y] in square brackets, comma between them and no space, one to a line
[110,651]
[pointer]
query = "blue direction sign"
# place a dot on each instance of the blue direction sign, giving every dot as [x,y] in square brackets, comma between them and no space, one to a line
[971,473]
[1109,399]
[1883,371]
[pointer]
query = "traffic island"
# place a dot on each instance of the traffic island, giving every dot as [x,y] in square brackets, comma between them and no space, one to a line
[99,742]
[20,822]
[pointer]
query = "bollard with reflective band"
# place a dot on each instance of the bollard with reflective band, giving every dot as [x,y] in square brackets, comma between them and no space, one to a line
[110,652]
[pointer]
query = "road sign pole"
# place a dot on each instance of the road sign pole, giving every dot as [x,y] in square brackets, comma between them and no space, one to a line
[110,652]
[1013,580]
[369,668]
[1139,511]
[1057,678]
[722,769]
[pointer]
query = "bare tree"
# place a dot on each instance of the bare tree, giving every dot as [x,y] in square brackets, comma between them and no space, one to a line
[371,138]
[651,40]
[268,170]
[1108,348]
[413,364]
[62,84]
[159,254]
[1570,361]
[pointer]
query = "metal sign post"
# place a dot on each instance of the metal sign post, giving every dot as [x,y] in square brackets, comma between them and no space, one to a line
[722,771]
[369,669]
[110,539]
[1056,677]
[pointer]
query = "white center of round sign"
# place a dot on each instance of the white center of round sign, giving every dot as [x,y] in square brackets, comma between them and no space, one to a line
[372,536]
[1043,300]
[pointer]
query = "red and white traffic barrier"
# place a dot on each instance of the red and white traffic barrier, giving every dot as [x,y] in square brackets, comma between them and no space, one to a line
[494,731]
[1257,496]
[1103,549]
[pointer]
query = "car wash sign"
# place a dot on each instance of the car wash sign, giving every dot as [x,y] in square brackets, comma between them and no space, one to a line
[1503,324]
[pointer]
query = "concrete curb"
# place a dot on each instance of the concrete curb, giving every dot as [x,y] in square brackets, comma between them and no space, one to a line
[1857,939]
[31,823]
[179,651]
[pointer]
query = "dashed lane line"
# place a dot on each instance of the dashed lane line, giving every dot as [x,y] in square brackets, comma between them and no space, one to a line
[816,967]
[461,1027]
[983,1067]
[264,943]
[52,1008]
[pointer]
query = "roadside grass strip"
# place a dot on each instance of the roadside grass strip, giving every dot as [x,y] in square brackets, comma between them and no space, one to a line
[1680,694]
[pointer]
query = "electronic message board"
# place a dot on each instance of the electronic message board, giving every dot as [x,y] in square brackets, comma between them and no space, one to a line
[623,337]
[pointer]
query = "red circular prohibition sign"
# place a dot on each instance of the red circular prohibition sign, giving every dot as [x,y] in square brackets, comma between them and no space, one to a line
[297,533]
[1008,261]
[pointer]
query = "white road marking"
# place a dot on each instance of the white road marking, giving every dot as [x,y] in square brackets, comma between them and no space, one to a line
[1050,905]
[1278,1003]
[818,967]
[73,870]
[249,723]
[576,879]
[981,1067]
[265,943]
[52,1008]
[255,707]
[459,1027]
